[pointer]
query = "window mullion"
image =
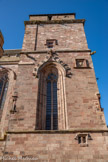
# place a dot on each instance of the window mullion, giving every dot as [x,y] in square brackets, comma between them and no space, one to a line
[51,105]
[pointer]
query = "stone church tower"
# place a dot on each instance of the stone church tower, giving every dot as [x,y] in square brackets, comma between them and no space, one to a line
[49,100]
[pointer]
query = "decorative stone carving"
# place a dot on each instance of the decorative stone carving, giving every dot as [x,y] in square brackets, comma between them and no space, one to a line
[52,56]
[15,96]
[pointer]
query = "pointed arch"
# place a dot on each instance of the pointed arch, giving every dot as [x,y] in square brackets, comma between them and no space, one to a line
[52,57]
[9,76]
[44,71]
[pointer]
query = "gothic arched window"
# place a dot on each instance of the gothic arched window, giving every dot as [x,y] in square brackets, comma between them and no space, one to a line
[51,100]
[51,103]
[3,90]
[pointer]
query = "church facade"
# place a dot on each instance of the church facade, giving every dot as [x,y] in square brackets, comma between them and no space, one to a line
[49,99]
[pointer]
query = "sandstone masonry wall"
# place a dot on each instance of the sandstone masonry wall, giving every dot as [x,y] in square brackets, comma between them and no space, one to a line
[85,137]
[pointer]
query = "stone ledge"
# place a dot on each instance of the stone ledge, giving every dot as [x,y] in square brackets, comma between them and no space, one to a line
[55,132]
[58,131]
[14,52]
[9,62]
[61,51]
[55,22]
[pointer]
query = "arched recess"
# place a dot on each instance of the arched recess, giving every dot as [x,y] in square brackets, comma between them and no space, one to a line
[44,71]
[9,77]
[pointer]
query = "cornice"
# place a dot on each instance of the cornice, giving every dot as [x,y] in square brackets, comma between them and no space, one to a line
[57,14]
[55,22]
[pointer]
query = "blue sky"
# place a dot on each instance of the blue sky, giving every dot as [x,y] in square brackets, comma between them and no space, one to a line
[13,13]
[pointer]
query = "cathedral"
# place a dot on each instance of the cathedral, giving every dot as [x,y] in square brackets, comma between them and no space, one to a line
[50,107]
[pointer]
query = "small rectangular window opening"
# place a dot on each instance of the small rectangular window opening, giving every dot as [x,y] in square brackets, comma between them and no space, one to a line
[82,139]
[50,43]
[82,63]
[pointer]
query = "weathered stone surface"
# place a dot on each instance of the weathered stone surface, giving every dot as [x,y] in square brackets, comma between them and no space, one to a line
[79,110]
